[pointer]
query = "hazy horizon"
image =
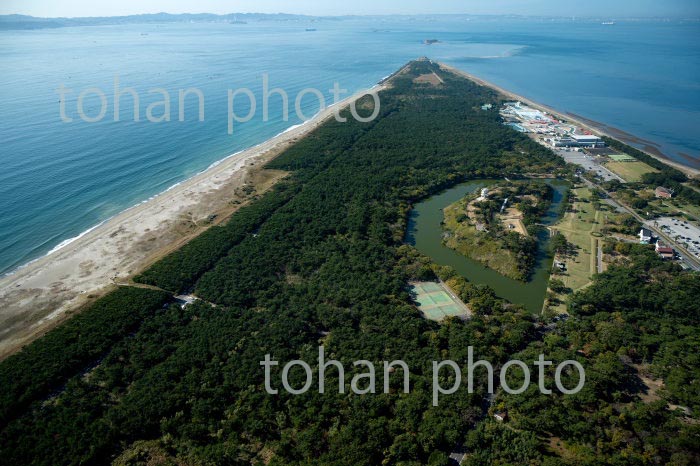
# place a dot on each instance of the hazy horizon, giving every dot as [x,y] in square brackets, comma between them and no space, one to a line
[550,8]
[349,15]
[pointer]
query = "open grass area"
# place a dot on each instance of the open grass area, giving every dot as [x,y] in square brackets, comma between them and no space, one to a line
[429,78]
[675,207]
[630,171]
[577,227]
[621,158]
[581,227]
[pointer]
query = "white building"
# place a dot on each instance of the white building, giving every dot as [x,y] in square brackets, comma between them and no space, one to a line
[577,140]
[563,142]
[587,140]
[484,195]
[645,236]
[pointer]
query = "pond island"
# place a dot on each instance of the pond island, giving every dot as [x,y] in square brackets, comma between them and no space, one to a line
[497,225]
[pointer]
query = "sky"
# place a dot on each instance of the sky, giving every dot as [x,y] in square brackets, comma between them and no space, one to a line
[596,8]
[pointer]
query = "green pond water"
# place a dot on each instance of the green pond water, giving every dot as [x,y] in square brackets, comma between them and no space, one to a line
[425,233]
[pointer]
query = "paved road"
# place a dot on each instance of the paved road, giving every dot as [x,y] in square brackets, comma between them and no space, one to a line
[588,163]
[685,256]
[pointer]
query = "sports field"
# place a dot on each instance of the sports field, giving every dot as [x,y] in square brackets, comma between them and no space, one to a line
[621,158]
[577,227]
[435,302]
[630,171]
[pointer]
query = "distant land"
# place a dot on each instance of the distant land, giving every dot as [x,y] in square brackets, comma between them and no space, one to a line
[32,22]
[17,21]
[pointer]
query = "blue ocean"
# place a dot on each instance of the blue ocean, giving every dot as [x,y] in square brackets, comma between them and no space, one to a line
[60,178]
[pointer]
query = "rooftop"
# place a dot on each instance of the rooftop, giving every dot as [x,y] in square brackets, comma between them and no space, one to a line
[585,137]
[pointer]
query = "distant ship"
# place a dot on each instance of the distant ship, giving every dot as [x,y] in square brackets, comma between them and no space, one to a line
[310,29]
[608,23]
[430,41]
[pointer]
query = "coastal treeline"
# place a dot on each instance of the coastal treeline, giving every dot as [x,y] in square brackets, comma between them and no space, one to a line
[72,348]
[321,261]
[667,176]
[179,271]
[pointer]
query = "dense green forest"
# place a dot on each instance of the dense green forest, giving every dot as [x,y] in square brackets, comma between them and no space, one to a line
[48,363]
[320,260]
[638,320]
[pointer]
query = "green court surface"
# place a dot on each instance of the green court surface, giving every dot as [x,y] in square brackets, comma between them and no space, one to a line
[621,158]
[435,302]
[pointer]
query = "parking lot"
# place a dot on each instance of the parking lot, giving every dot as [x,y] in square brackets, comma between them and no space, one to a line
[687,234]
[588,163]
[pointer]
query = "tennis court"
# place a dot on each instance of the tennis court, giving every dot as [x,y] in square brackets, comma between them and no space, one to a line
[435,302]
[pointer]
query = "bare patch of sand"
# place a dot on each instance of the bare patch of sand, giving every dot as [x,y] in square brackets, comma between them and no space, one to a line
[512,219]
[651,385]
[429,78]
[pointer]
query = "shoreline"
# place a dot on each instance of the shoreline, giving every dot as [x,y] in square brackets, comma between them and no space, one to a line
[601,129]
[42,293]
[68,241]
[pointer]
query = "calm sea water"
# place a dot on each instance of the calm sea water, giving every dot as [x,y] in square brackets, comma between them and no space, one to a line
[58,179]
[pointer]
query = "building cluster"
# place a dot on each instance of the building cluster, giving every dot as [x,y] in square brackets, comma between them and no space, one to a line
[646,236]
[663,193]
[684,232]
[556,133]
[578,146]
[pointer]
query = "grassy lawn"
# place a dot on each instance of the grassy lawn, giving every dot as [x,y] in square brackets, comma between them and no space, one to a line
[674,207]
[581,228]
[576,228]
[630,171]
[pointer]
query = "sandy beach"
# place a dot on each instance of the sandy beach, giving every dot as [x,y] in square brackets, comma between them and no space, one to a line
[45,292]
[595,127]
